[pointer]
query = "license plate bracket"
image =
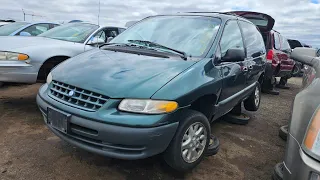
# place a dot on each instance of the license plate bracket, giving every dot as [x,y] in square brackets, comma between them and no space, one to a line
[58,120]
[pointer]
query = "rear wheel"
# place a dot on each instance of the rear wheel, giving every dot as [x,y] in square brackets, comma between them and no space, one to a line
[1,84]
[190,142]
[253,102]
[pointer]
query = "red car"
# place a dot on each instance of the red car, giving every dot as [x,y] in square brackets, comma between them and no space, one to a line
[278,48]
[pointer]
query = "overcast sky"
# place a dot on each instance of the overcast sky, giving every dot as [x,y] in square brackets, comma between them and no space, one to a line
[298,19]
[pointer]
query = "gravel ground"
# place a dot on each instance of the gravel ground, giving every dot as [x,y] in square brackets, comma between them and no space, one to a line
[30,151]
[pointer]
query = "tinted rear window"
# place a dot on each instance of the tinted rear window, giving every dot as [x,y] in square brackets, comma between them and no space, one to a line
[253,39]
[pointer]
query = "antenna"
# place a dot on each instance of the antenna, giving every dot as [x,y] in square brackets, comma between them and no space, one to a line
[32,15]
[99,14]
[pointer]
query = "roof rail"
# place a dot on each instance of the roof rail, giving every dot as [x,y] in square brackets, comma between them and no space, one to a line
[227,13]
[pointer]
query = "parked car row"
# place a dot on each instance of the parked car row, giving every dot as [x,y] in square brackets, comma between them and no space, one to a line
[153,88]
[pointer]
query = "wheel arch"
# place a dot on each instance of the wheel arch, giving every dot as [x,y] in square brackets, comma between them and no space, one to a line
[205,104]
[50,62]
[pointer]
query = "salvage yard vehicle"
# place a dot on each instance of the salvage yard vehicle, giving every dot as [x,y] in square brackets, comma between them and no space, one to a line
[302,157]
[26,28]
[30,59]
[156,87]
[279,63]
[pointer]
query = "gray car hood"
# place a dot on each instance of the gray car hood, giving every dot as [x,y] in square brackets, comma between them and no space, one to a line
[10,43]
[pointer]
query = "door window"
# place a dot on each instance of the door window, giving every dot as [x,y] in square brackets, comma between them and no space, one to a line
[253,39]
[276,41]
[37,29]
[231,37]
[285,46]
[100,37]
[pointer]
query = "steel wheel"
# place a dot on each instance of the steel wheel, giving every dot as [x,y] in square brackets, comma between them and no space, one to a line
[193,142]
[257,96]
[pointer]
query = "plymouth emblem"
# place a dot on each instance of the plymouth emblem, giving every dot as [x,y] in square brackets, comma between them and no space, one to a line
[71,93]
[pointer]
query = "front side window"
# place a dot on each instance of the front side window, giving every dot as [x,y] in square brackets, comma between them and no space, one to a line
[73,32]
[190,34]
[37,29]
[253,39]
[231,37]
[8,29]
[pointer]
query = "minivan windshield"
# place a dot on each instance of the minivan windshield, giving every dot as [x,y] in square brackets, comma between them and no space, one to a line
[8,29]
[73,32]
[190,34]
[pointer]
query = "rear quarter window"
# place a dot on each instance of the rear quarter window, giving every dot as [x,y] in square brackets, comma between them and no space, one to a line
[276,41]
[285,46]
[253,39]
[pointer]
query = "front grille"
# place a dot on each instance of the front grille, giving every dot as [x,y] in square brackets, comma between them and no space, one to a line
[80,98]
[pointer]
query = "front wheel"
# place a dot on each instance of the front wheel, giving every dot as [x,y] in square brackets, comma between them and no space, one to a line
[253,102]
[190,142]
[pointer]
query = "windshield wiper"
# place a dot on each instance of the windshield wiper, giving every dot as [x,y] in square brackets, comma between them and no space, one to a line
[150,44]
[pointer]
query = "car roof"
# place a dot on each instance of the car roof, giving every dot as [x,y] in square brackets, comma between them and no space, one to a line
[223,15]
[40,22]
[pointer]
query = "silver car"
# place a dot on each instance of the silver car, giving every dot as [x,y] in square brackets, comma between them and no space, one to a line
[302,157]
[30,59]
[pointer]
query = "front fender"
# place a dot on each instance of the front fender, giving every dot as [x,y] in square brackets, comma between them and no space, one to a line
[199,80]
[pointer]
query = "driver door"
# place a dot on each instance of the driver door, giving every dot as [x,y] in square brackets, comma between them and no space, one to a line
[234,73]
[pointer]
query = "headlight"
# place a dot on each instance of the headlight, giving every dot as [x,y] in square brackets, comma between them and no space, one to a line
[49,78]
[13,56]
[147,106]
[312,138]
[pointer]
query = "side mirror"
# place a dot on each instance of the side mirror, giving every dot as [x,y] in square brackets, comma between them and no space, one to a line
[95,41]
[23,33]
[234,55]
[109,39]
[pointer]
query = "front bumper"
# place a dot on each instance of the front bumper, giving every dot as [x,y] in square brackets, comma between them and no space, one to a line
[116,141]
[17,71]
[304,167]
[297,164]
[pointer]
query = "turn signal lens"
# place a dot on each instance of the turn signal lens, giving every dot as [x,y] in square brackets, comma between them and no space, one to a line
[312,138]
[22,57]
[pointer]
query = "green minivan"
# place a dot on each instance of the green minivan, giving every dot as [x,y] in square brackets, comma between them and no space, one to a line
[156,87]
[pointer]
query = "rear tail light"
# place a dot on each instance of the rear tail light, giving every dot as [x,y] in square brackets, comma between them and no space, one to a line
[312,138]
[270,56]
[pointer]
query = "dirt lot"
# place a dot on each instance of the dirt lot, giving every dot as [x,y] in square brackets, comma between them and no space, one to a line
[28,150]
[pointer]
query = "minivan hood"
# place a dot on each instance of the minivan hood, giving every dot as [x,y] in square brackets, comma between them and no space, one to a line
[119,75]
[10,43]
[253,16]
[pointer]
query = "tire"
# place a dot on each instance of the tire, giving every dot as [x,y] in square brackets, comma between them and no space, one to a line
[253,102]
[283,132]
[1,84]
[213,147]
[296,70]
[174,156]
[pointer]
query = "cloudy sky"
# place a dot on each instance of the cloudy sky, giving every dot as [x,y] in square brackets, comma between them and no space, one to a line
[298,19]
